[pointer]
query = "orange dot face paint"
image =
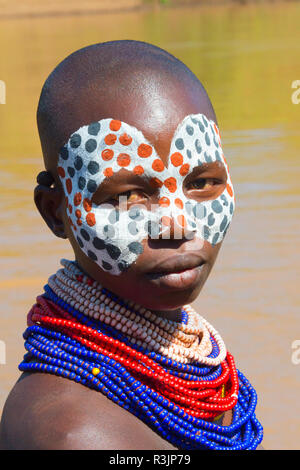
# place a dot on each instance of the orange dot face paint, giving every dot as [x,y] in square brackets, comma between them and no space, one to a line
[115,125]
[171,184]
[91,219]
[179,203]
[123,159]
[107,154]
[158,165]
[110,139]
[87,204]
[144,150]
[138,170]
[114,238]
[77,199]
[164,202]
[125,139]
[176,159]
[61,172]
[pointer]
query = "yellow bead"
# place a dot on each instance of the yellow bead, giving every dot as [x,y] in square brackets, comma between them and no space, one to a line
[95,371]
[218,417]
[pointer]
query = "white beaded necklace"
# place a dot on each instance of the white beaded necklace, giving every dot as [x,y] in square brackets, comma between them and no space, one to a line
[185,343]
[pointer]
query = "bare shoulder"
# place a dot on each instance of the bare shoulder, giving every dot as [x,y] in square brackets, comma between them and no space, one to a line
[48,412]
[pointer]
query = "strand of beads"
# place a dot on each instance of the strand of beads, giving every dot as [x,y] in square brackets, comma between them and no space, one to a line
[142,365]
[61,355]
[168,382]
[139,330]
[132,323]
[186,371]
[88,295]
[178,399]
[174,352]
[88,286]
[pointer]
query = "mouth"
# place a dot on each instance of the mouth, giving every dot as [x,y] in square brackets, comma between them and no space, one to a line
[180,272]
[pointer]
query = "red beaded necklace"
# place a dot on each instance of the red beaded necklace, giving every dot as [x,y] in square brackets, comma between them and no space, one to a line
[200,399]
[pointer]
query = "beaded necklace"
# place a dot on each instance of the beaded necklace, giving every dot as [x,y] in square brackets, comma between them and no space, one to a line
[177,377]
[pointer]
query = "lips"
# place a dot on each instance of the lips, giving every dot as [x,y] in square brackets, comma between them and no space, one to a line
[177,264]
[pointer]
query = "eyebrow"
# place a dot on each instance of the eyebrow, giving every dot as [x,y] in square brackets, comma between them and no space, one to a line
[207,166]
[121,178]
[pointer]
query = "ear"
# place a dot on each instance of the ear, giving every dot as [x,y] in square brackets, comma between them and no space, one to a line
[49,201]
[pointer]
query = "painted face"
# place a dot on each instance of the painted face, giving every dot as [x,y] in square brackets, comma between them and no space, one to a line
[113,238]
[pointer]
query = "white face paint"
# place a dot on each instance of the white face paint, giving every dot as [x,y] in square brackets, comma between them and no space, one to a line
[113,238]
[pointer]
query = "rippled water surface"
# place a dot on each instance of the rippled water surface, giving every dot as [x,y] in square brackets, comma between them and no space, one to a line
[247,58]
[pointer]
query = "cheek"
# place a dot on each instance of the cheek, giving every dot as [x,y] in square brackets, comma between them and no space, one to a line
[115,240]
[66,220]
[213,251]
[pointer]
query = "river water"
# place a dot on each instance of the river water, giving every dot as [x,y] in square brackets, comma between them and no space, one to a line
[247,58]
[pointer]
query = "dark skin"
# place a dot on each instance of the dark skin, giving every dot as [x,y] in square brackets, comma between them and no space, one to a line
[42,411]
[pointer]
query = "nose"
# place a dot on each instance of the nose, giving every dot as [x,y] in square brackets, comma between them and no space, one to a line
[170,228]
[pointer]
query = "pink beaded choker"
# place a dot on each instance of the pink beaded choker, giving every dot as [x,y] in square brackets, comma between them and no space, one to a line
[186,343]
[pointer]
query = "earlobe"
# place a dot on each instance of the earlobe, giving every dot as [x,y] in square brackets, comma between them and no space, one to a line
[48,200]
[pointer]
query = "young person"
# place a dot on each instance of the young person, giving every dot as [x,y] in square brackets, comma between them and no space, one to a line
[137,181]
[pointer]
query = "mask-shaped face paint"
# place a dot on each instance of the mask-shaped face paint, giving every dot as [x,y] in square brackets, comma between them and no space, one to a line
[112,237]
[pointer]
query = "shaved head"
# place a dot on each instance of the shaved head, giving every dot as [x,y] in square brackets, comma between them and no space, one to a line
[148,93]
[131,81]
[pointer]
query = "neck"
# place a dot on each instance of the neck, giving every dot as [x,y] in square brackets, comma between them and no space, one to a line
[172,315]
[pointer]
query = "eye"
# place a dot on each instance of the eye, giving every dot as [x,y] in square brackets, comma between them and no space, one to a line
[202,183]
[133,196]
[205,182]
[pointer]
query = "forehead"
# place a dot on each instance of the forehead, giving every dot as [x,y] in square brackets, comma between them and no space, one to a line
[158,113]
[157,127]
[155,105]
[98,151]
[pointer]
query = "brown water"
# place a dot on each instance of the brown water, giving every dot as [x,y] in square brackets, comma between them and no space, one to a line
[247,58]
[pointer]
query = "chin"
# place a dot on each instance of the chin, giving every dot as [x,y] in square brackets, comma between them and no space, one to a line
[171,291]
[167,301]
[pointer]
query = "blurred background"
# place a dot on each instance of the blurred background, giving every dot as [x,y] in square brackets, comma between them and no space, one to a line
[247,56]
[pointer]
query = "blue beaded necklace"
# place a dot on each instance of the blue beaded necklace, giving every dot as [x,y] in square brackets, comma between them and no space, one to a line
[59,354]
